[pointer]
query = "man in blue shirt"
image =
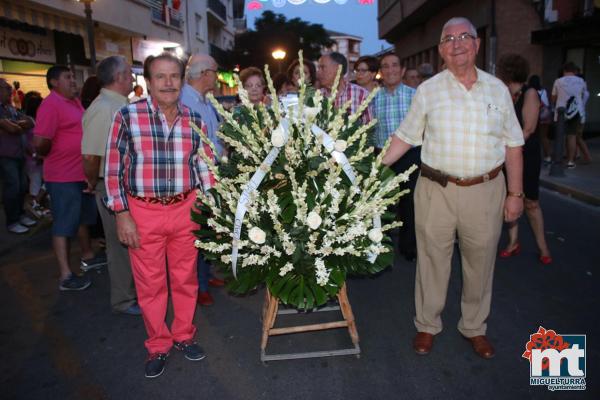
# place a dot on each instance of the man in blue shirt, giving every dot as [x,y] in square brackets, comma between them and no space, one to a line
[200,79]
[390,106]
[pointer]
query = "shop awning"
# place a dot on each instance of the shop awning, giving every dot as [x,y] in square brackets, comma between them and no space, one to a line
[41,18]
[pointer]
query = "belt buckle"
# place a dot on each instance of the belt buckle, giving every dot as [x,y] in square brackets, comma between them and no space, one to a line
[164,201]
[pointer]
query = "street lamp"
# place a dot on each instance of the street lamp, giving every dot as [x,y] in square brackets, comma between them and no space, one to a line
[278,55]
[90,32]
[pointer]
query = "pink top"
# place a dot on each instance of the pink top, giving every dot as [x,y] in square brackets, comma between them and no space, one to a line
[59,119]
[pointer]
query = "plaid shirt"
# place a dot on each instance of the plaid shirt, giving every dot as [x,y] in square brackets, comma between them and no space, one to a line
[390,108]
[145,158]
[357,94]
[463,132]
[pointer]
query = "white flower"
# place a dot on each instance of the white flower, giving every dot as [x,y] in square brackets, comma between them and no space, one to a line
[311,112]
[257,235]
[340,145]
[313,220]
[224,159]
[285,269]
[197,243]
[375,235]
[321,272]
[278,136]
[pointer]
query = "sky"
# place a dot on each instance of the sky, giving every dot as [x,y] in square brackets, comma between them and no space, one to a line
[352,18]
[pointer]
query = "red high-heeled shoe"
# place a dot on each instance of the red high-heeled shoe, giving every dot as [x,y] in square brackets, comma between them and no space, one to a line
[506,254]
[546,260]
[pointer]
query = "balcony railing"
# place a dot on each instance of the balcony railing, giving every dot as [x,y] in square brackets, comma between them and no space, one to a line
[165,14]
[218,8]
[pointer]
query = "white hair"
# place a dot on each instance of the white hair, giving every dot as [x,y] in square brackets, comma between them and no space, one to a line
[197,64]
[459,21]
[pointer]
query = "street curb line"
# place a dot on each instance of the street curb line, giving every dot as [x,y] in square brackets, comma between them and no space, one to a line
[575,193]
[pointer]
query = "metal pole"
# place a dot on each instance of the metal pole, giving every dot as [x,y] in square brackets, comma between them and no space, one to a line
[493,39]
[556,169]
[90,33]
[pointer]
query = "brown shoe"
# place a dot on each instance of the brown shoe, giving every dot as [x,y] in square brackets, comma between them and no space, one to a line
[422,343]
[482,346]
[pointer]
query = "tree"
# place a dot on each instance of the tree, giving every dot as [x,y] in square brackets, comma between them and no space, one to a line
[254,47]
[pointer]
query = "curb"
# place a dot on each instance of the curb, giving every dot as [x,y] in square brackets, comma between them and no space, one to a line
[570,191]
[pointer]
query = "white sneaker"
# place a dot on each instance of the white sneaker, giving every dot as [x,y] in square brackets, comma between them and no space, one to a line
[25,220]
[17,228]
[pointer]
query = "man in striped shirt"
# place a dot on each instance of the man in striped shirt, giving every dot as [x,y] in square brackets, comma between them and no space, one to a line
[466,122]
[326,73]
[152,172]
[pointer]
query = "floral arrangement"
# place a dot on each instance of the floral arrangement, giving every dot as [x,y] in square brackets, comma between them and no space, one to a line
[298,203]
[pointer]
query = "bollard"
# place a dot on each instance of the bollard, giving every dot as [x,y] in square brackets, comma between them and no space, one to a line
[556,168]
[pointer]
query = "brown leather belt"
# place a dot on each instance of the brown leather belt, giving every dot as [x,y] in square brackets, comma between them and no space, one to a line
[443,179]
[165,201]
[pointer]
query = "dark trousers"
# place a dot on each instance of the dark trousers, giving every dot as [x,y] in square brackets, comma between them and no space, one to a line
[405,211]
[12,173]
[203,273]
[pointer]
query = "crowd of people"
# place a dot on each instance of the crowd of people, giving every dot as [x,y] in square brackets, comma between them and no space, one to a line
[477,138]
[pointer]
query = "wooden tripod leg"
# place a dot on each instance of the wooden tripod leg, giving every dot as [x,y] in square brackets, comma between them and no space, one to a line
[347,313]
[269,314]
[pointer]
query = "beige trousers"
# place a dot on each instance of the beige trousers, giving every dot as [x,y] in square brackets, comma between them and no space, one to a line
[122,288]
[475,213]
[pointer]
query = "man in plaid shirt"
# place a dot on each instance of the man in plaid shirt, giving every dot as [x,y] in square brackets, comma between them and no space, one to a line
[390,106]
[151,174]
[326,72]
[466,122]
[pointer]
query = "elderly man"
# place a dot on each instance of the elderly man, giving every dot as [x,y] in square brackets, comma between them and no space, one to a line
[13,126]
[390,107]
[115,77]
[326,73]
[465,120]
[201,77]
[57,136]
[411,78]
[152,172]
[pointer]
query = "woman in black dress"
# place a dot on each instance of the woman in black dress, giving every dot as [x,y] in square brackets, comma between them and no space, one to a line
[513,70]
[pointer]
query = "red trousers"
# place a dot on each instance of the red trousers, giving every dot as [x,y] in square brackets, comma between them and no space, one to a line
[165,234]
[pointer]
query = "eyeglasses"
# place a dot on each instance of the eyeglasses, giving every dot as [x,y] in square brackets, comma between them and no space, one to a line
[457,39]
[361,70]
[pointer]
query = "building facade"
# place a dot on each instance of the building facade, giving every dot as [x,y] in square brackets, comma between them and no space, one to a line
[546,32]
[35,34]
[346,44]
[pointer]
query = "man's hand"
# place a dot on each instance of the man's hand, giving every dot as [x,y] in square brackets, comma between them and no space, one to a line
[127,230]
[513,208]
[90,188]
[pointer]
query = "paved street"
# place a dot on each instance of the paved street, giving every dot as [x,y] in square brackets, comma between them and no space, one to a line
[69,345]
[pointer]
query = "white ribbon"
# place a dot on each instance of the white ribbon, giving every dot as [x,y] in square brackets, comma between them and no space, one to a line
[329,144]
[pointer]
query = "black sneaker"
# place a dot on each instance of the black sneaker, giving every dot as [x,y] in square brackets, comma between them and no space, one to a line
[74,282]
[95,262]
[191,350]
[155,364]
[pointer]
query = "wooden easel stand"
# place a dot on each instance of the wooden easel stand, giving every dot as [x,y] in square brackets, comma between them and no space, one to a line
[271,310]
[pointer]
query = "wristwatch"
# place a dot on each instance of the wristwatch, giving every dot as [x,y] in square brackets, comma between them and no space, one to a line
[520,195]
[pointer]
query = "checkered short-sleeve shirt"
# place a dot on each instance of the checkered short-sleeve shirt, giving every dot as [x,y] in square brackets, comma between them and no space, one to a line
[463,132]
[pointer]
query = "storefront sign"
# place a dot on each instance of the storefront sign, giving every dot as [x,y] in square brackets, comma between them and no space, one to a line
[144,48]
[26,46]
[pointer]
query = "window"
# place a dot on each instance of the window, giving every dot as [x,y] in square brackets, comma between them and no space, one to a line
[198,26]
